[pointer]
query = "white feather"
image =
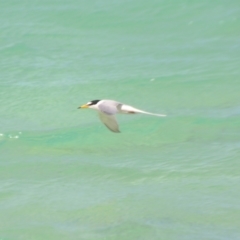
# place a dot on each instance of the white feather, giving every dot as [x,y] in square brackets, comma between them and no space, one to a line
[130,109]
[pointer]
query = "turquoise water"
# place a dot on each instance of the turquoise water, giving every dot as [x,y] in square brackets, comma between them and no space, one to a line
[63,175]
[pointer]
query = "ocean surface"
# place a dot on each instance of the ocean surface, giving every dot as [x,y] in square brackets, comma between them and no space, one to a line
[64,175]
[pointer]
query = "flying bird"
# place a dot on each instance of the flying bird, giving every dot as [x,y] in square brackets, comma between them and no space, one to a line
[108,108]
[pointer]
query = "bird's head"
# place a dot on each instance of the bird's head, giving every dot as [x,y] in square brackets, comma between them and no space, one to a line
[91,104]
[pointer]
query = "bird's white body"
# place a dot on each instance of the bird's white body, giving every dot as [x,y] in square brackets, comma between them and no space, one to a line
[108,108]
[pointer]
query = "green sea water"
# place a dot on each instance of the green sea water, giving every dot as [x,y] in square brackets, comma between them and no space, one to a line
[64,176]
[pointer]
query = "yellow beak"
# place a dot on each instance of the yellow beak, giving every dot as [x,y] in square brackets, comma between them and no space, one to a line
[84,106]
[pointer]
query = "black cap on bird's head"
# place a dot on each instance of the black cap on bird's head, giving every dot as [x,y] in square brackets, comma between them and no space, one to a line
[93,102]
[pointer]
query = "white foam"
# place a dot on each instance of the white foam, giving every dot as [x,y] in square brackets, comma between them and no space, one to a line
[10,136]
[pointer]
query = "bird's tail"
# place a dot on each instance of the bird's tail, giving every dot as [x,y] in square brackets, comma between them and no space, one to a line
[129,109]
[154,114]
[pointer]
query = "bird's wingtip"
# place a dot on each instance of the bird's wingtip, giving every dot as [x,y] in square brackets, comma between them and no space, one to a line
[116,131]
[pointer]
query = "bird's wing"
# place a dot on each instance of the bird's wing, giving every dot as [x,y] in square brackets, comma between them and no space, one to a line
[109,107]
[129,109]
[109,121]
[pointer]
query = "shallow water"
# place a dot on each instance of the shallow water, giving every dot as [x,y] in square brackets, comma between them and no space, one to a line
[63,175]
